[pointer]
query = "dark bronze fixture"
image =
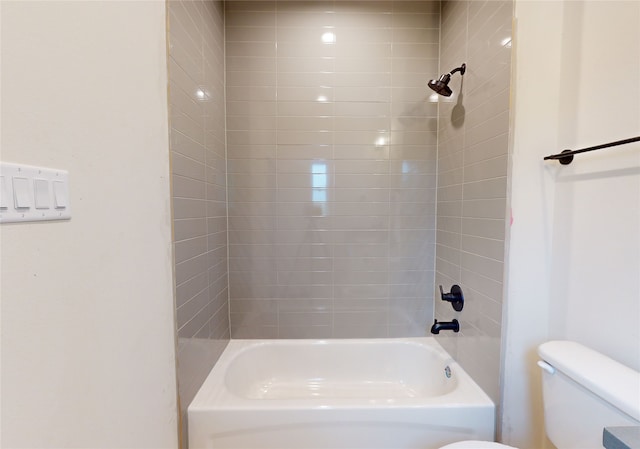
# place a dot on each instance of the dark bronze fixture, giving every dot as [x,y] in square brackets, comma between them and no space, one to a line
[445,326]
[441,85]
[455,297]
[566,156]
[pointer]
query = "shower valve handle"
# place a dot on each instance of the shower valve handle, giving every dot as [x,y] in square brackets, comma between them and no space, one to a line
[455,297]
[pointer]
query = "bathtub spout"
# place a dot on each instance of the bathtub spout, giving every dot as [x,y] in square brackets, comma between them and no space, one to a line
[445,326]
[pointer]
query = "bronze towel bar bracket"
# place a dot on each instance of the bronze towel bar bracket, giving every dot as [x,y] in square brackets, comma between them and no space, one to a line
[566,157]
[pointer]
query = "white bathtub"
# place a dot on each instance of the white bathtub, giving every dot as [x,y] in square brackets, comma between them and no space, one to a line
[329,394]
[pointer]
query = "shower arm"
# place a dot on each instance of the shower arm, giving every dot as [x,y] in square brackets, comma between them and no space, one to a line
[461,69]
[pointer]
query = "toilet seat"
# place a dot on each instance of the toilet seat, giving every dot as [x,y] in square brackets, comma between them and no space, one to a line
[477,445]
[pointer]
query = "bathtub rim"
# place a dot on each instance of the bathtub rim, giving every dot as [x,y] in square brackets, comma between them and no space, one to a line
[213,394]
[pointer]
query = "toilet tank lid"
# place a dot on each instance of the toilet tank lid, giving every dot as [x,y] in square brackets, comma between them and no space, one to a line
[612,381]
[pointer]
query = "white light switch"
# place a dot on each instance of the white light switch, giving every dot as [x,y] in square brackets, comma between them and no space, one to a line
[59,195]
[5,193]
[21,195]
[41,193]
[29,193]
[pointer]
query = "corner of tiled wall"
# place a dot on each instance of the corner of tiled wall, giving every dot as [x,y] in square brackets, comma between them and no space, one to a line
[198,161]
[472,181]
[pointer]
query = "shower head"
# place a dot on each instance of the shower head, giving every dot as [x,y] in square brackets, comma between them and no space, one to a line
[441,85]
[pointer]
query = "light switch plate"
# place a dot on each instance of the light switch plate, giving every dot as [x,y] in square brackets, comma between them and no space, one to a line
[31,193]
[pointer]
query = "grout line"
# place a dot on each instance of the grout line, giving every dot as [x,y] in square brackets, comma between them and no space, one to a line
[277,187]
[226,155]
[437,189]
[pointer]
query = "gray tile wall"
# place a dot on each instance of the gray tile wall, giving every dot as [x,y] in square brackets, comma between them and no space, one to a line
[332,167]
[333,173]
[472,181]
[197,133]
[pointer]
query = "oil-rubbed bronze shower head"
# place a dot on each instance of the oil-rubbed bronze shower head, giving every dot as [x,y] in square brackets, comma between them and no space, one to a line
[441,85]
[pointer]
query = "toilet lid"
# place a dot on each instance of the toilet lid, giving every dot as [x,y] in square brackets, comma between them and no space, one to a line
[476,445]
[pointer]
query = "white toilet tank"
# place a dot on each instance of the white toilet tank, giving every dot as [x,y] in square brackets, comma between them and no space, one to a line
[585,391]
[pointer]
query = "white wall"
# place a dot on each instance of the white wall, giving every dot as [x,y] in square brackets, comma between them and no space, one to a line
[574,261]
[87,305]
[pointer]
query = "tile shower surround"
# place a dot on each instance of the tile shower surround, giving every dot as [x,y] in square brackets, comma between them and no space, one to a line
[331,147]
[198,165]
[196,95]
[472,181]
[333,172]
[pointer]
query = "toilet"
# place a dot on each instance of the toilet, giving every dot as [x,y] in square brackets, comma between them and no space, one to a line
[583,392]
